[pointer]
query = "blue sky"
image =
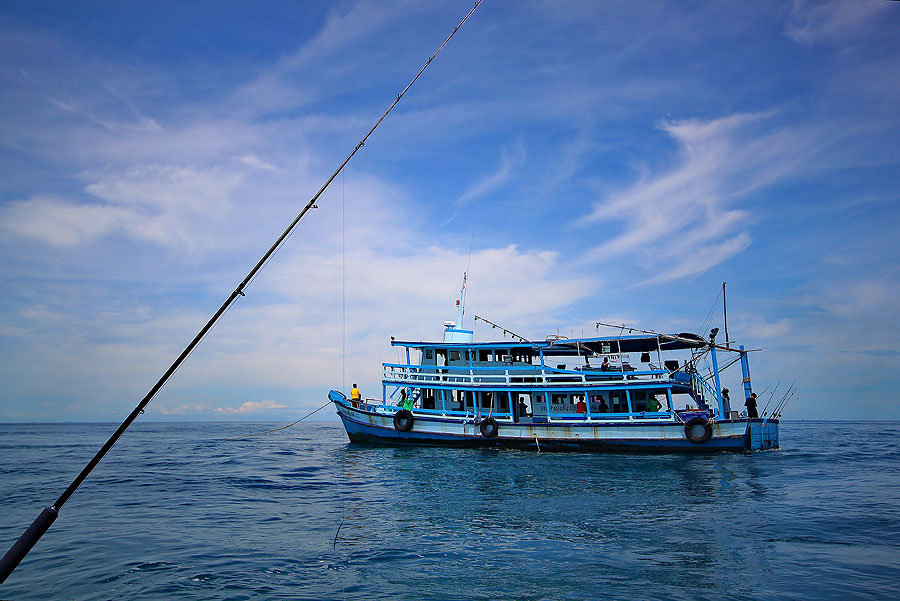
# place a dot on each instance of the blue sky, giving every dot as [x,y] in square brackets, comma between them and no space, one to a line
[611,161]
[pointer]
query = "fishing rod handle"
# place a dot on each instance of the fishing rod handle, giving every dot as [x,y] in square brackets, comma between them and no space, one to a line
[31,536]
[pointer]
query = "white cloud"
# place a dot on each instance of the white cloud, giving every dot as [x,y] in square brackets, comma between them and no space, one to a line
[813,21]
[254,161]
[170,206]
[250,407]
[683,221]
[185,409]
[510,158]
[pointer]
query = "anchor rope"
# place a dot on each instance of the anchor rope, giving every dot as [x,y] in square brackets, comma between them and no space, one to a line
[314,411]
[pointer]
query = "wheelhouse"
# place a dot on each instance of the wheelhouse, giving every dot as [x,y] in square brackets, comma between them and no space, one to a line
[592,379]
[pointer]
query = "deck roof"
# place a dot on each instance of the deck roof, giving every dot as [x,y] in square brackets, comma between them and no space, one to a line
[574,346]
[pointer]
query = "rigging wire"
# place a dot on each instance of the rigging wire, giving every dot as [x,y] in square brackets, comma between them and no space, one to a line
[42,523]
[314,411]
[465,290]
[708,319]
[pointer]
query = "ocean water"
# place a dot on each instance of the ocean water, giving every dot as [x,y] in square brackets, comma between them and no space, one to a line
[176,512]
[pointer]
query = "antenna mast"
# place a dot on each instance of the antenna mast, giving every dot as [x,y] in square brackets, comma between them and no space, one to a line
[725,313]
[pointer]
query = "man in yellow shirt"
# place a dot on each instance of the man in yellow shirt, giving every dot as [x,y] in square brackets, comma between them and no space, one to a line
[355,396]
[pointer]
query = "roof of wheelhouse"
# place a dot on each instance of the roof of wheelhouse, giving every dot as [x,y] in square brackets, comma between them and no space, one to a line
[573,346]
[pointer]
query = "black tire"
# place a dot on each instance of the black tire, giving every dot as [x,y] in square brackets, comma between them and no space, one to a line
[403,420]
[489,427]
[691,430]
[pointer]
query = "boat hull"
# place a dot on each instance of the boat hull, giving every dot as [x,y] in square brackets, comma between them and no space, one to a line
[375,424]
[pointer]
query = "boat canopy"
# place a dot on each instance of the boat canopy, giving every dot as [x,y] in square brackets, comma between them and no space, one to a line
[574,346]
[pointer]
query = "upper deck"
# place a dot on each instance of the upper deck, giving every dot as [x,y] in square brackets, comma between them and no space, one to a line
[556,363]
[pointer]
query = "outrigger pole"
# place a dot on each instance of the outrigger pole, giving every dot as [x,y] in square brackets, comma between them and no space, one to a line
[46,518]
[673,337]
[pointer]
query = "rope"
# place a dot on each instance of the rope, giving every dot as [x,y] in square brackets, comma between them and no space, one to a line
[708,319]
[282,427]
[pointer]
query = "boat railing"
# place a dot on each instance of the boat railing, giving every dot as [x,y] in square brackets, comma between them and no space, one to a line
[504,416]
[605,417]
[526,376]
[498,415]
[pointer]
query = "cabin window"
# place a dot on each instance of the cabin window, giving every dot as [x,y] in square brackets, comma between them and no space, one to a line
[639,400]
[656,400]
[487,400]
[559,399]
[484,355]
[429,354]
[599,404]
[441,356]
[454,355]
[617,403]
[501,354]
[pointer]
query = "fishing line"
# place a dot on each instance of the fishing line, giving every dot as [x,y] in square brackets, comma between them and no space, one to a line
[343,286]
[282,427]
[45,519]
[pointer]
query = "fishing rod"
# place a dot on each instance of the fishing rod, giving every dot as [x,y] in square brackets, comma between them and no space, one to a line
[46,518]
[781,405]
[781,400]
[781,409]
[771,395]
[787,395]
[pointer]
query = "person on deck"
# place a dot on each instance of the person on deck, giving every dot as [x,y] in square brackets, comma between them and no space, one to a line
[523,409]
[605,365]
[355,396]
[750,403]
[405,402]
[581,406]
[652,404]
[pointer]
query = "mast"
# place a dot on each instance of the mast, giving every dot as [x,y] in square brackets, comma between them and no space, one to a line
[461,304]
[725,313]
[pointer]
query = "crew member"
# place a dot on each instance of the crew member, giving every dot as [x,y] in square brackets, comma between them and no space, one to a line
[751,406]
[405,402]
[355,396]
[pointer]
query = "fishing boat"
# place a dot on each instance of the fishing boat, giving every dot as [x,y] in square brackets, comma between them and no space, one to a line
[641,391]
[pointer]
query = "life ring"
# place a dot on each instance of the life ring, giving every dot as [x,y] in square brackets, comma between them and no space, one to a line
[692,430]
[489,427]
[403,420]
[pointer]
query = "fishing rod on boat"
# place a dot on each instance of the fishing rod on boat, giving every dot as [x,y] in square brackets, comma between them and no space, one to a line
[780,401]
[771,396]
[33,534]
[783,402]
[781,409]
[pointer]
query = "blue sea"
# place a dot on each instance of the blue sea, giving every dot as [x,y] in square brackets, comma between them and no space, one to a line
[177,512]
